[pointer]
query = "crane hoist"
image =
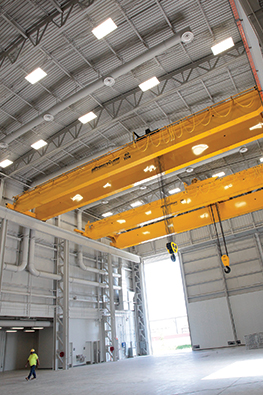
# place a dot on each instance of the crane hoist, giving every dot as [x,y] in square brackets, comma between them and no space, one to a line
[224,256]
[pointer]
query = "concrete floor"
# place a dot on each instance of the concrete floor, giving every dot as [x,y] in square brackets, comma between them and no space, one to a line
[225,371]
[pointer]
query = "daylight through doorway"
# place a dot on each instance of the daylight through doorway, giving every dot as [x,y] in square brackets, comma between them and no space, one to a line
[169,329]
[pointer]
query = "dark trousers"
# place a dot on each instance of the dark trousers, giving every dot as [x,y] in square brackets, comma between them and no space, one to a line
[32,371]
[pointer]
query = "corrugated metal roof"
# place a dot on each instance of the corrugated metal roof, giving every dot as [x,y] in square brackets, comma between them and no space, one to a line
[73,58]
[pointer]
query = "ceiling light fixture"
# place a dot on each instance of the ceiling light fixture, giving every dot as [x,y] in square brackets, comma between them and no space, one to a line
[17,327]
[104,28]
[175,190]
[146,85]
[87,117]
[5,163]
[39,144]
[121,221]
[107,185]
[228,186]
[77,198]
[104,201]
[29,330]
[142,187]
[220,174]
[136,204]
[37,327]
[146,233]
[222,46]
[11,330]
[261,159]
[148,212]
[199,149]
[35,76]
[108,214]
[189,170]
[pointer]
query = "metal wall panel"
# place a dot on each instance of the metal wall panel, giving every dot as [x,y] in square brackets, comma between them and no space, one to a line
[210,324]
[221,307]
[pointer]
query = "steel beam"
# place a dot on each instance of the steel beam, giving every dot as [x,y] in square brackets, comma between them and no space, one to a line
[36,32]
[198,194]
[191,220]
[75,132]
[222,127]
[32,223]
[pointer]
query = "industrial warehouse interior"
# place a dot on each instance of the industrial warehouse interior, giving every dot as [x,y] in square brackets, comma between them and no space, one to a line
[131,183]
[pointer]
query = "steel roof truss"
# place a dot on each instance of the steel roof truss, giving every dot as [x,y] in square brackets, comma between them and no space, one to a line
[131,98]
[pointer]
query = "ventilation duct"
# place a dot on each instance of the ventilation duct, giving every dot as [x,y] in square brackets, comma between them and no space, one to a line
[81,94]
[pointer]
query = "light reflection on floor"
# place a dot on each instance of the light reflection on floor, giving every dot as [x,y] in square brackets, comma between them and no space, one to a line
[249,368]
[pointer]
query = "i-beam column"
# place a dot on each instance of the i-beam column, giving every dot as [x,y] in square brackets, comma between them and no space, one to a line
[112,309]
[3,233]
[141,322]
[66,305]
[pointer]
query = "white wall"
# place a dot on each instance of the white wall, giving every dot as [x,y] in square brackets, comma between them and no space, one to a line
[24,295]
[220,304]
[248,313]
[209,323]
[80,332]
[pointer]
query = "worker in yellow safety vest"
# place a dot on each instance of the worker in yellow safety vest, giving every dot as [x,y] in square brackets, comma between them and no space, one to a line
[33,362]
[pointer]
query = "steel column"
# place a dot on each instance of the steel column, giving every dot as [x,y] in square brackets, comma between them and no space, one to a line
[112,308]
[66,305]
[141,318]
[3,233]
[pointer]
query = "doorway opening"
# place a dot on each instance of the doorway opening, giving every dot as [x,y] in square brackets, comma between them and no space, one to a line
[167,313]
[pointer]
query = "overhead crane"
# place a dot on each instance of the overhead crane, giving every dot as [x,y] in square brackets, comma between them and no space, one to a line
[234,195]
[220,128]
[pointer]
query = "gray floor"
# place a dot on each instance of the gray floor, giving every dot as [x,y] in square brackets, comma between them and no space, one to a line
[225,371]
